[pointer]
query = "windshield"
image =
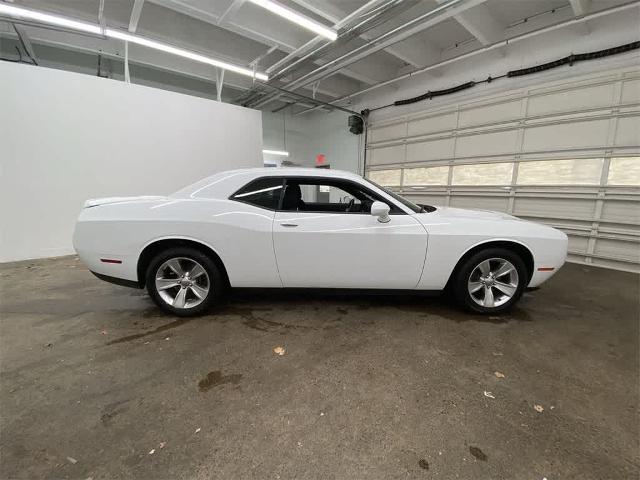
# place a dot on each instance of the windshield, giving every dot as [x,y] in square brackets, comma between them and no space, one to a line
[415,208]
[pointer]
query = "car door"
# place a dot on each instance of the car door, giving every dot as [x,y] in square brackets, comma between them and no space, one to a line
[325,237]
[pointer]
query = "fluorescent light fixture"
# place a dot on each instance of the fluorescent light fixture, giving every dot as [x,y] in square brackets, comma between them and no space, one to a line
[295,17]
[23,13]
[276,152]
[127,37]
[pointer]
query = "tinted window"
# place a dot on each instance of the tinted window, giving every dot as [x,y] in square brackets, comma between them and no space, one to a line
[328,195]
[263,193]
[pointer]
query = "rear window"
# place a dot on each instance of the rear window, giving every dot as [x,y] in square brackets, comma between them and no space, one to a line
[263,193]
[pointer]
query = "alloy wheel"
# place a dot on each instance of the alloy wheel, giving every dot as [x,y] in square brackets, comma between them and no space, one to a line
[493,282]
[182,282]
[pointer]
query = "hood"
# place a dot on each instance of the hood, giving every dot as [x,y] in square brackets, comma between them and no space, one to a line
[455,213]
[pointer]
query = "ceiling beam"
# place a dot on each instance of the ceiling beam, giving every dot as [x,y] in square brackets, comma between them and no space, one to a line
[481,24]
[113,49]
[418,24]
[230,12]
[325,11]
[417,54]
[412,51]
[152,59]
[515,39]
[136,11]
[352,73]
[580,7]
[260,37]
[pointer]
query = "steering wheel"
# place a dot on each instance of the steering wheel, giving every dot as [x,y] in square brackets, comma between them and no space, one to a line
[350,205]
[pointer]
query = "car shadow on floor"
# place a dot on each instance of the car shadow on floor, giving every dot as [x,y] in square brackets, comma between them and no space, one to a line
[425,304]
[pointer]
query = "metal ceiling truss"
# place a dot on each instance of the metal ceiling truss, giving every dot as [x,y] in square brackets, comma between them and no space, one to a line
[391,37]
[487,48]
[371,15]
[298,96]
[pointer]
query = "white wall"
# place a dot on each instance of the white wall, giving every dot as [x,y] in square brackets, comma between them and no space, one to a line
[306,136]
[66,137]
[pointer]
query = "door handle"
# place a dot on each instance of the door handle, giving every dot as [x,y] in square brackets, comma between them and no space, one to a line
[289,225]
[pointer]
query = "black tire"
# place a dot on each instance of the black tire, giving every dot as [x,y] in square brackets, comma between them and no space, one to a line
[466,269]
[215,281]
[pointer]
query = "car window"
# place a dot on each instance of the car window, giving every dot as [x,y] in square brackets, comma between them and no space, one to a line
[415,208]
[329,195]
[263,193]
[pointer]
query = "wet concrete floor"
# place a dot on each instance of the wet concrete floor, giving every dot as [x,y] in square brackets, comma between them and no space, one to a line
[96,382]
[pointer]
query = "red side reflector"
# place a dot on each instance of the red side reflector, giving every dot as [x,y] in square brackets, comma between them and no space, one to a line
[110,260]
[546,269]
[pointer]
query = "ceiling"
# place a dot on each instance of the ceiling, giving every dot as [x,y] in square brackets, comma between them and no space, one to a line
[245,34]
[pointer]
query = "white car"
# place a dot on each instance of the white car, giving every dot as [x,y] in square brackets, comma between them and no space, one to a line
[309,228]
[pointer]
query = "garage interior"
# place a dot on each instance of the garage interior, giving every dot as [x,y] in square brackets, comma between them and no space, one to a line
[527,107]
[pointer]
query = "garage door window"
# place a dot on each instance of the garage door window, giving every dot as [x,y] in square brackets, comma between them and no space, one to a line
[483,174]
[583,171]
[624,171]
[388,178]
[263,193]
[426,176]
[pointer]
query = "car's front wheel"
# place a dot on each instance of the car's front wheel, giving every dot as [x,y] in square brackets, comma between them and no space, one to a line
[184,281]
[490,281]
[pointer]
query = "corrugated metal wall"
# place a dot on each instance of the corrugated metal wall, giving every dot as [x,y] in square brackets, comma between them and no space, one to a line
[564,153]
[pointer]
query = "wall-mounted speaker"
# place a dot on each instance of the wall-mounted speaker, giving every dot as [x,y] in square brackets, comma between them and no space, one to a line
[356,124]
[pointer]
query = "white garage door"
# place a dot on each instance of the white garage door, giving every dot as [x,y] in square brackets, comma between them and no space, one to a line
[565,153]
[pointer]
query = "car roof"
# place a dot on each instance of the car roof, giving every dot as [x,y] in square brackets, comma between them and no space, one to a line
[295,172]
[222,184]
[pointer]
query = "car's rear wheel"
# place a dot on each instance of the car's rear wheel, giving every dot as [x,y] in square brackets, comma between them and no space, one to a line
[490,281]
[184,281]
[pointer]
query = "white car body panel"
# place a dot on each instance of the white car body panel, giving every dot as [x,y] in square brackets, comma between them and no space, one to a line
[454,231]
[325,250]
[348,251]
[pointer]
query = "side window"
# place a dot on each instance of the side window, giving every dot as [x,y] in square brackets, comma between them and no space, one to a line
[263,193]
[320,195]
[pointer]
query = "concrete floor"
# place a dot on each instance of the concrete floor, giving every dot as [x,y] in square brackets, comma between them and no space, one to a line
[94,378]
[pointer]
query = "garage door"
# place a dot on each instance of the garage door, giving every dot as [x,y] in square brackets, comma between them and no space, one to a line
[565,153]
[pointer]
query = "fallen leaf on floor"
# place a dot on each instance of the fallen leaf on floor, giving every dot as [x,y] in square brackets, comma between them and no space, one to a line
[538,408]
[552,407]
[279,351]
[152,451]
[72,460]
[499,374]
[488,394]
[198,430]
[162,444]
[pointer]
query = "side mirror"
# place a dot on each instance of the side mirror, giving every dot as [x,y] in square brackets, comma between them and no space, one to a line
[380,210]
